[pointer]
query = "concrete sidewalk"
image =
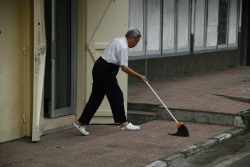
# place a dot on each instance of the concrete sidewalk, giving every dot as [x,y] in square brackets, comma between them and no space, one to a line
[152,146]
[198,92]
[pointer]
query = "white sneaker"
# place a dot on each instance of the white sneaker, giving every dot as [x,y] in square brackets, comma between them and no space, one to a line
[81,129]
[130,126]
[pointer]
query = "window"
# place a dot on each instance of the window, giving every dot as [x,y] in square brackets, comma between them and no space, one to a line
[166,25]
[199,25]
[212,24]
[168,44]
[153,27]
[136,19]
[233,23]
[222,27]
[183,30]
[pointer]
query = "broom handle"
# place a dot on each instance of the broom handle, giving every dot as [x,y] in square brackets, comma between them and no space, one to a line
[162,102]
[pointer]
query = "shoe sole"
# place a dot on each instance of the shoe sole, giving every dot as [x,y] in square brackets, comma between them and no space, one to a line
[78,128]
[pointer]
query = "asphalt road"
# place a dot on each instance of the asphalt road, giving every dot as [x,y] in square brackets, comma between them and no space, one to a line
[232,153]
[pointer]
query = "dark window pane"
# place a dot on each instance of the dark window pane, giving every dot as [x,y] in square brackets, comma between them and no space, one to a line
[222,29]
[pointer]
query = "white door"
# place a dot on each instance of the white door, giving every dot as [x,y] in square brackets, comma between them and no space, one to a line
[103,25]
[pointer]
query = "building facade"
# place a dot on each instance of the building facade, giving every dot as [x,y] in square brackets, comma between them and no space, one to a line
[185,37]
[48,48]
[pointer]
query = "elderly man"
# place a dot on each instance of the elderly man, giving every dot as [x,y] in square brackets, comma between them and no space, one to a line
[104,73]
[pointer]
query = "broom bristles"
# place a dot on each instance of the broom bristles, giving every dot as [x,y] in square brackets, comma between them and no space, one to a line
[182,131]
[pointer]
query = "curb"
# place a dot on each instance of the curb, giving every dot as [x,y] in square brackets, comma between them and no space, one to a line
[175,158]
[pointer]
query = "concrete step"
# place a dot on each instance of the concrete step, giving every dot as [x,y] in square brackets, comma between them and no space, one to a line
[187,115]
[143,107]
[140,117]
[199,116]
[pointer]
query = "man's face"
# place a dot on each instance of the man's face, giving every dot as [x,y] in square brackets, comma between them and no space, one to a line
[132,42]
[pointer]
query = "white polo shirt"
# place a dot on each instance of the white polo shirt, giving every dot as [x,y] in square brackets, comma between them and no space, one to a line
[117,52]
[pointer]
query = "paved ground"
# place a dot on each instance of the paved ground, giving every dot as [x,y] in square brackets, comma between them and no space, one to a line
[107,146]
[198,92]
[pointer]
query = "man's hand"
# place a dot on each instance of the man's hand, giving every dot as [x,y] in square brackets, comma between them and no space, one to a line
[143,78]
[133,73]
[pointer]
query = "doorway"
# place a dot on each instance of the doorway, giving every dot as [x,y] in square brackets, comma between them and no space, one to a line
[60,69]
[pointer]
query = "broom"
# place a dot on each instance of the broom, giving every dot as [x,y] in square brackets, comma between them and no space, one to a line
[182,129]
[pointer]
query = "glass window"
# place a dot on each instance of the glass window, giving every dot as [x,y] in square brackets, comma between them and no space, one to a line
[166,25]
[232,37]
[212,23]
[183,30]
[168,44]
[153,25]
[136,21]
[222,27]
[199,27]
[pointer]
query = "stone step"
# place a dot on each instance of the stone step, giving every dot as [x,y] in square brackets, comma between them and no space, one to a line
[187,115]
[140,117]
[197,116]
[143,107]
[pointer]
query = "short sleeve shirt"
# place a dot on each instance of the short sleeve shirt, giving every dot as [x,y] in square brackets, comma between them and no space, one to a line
[117,52]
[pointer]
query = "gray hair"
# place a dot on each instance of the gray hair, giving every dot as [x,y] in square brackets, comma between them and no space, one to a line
[134,32]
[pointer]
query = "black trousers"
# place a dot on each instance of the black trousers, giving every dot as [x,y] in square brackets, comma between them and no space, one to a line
[104,83]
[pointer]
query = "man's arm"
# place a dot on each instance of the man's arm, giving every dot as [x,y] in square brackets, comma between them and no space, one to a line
[133,73]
